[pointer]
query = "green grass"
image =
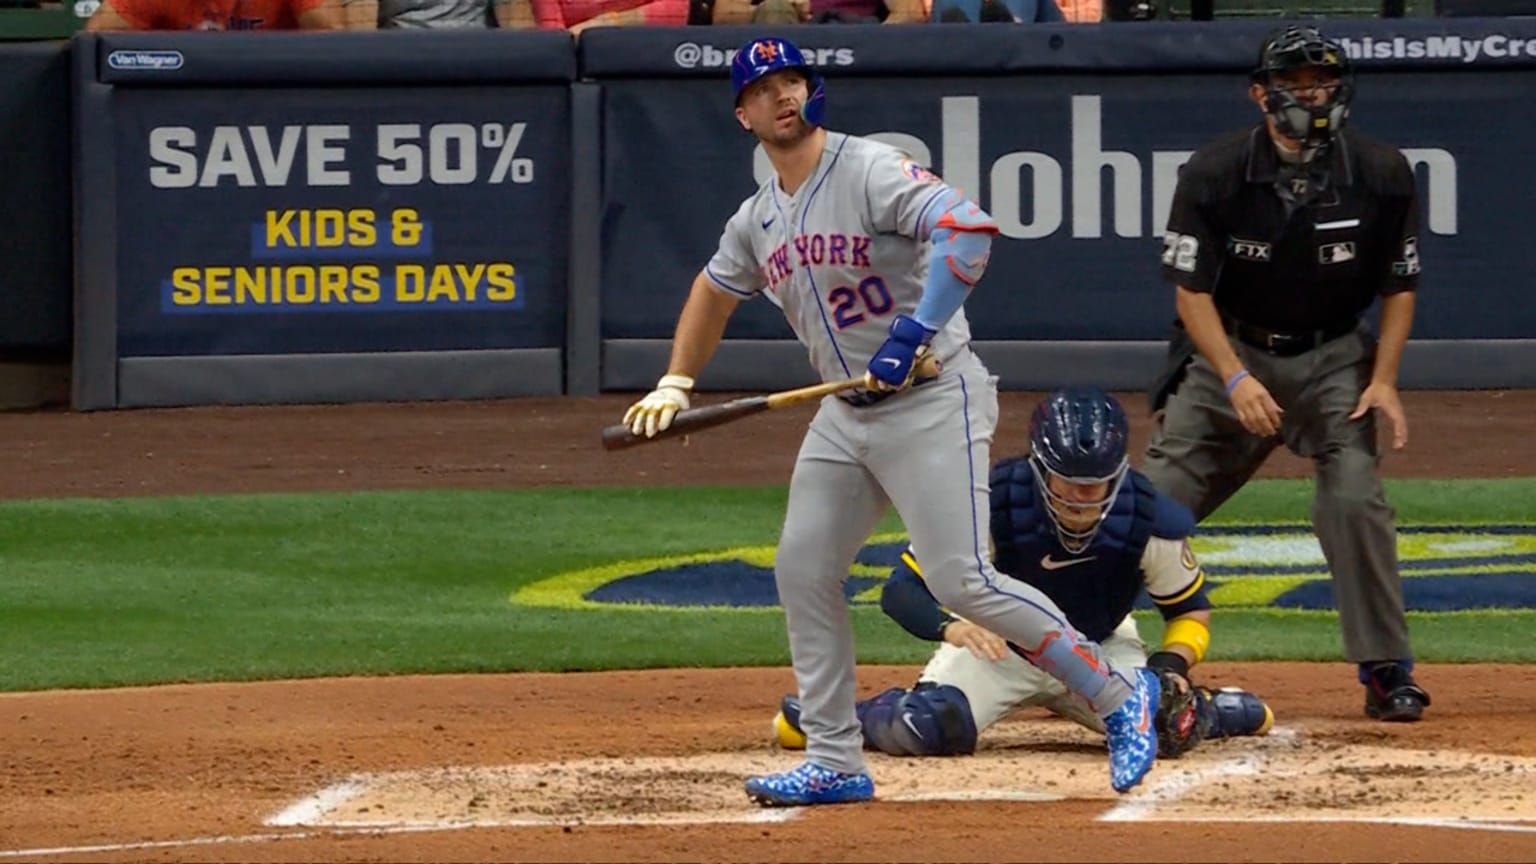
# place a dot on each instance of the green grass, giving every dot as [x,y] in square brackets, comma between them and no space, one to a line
[132,591]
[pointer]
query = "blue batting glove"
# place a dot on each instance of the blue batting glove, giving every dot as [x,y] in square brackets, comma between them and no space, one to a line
[892,364]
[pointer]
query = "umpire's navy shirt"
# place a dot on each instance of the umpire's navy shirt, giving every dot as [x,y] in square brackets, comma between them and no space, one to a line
[1228,234]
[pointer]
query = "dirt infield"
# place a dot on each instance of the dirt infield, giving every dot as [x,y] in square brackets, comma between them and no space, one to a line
[403,769]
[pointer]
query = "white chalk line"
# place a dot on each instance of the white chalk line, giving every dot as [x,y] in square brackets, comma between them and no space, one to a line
[362,829]
[777,814]
[1144,805]
[783,815]
[310,810]
[1172,787]
[217,840]
[1472,823]
[314,811]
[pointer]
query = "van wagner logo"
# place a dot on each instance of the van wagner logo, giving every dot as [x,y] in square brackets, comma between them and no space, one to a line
[155,61]
[1445,568]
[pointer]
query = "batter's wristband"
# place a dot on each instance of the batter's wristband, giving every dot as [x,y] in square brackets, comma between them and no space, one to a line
[681,382]
[1236,377]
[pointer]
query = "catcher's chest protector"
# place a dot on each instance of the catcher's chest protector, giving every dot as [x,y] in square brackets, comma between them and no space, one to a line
[1096,587]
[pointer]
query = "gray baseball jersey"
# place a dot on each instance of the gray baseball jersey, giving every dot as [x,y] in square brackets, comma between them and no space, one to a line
[837,256]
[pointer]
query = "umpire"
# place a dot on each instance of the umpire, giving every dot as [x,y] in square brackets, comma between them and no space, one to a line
[1280,238]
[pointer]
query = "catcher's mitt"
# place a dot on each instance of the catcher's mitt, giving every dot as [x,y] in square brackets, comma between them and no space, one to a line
[1179,729]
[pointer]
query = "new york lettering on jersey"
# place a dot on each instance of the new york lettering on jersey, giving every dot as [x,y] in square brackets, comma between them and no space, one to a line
[836,250]
[837,255]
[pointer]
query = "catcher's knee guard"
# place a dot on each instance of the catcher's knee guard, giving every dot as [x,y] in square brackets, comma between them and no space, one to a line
[928,720]
[1230,712]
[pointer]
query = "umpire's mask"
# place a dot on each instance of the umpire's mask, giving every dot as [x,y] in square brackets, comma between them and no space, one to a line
[1298,114]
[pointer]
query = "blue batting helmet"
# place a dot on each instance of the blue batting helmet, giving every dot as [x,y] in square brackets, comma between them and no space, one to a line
[765,56]
[1078,434]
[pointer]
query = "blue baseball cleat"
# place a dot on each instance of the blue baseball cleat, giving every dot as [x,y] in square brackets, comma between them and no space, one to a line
[1131,733]
[810,784]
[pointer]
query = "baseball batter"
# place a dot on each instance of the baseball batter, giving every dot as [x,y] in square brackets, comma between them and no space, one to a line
[871,257]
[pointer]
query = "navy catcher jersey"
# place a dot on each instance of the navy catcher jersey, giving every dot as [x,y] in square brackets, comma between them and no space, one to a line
[1143,544]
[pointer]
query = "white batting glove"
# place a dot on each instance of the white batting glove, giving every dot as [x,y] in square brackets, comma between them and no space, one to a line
[654,413]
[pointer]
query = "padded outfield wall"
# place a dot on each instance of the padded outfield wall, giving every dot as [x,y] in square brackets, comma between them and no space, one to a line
[452,215]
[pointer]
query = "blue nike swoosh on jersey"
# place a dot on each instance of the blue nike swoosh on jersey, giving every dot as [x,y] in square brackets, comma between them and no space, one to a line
[768,222]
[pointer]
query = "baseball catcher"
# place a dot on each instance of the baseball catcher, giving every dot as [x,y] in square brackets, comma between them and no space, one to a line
[1075,521]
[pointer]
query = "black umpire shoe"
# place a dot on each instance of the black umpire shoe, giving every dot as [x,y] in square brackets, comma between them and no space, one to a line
[1392,695]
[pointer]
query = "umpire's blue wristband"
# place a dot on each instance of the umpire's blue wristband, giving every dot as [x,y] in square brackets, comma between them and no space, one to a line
[1236,377]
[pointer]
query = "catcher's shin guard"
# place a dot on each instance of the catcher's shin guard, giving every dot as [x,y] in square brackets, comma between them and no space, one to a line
[928,720]
[1232,712]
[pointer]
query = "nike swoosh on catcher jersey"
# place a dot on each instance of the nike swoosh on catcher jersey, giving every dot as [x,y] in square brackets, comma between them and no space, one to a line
[1050,563]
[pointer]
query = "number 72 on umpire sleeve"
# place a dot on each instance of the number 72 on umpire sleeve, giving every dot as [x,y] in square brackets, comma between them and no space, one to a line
[870,295]
[1180,251]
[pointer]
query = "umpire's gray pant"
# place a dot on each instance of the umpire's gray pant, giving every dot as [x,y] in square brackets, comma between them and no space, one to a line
[1200,455]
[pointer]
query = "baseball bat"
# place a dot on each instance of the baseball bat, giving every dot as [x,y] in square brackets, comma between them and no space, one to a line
[618,436]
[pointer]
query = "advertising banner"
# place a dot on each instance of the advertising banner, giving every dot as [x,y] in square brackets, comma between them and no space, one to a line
[1164,47]
[290,221]
[1079,172]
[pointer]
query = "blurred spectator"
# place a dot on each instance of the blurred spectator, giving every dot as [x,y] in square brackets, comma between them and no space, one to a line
[357,14]
[215,15]
[454,14]
[818,11]
[1146,10]
[578,15]
[1082,11]
[1011,11]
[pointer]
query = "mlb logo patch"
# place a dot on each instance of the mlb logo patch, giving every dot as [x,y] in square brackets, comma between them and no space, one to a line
[918,172]
[1335,253]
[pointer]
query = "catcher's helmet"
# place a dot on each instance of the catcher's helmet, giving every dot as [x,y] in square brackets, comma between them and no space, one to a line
[1078,434]
[762,57]
[1299,47]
